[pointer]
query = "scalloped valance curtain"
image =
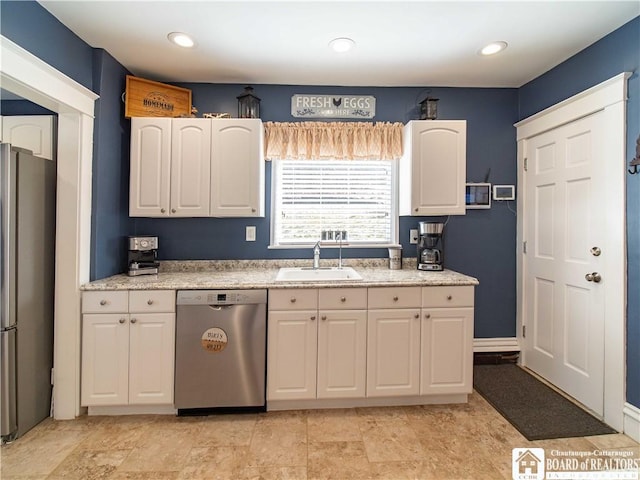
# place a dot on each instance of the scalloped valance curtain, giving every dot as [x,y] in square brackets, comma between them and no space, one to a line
[333,140]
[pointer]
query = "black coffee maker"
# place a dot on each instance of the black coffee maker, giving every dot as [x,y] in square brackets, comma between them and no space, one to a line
[143,256]
[430,254]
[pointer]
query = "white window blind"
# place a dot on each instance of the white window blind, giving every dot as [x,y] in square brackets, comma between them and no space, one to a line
[355,196]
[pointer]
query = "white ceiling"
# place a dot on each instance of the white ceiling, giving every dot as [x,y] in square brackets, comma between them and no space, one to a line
[399,43]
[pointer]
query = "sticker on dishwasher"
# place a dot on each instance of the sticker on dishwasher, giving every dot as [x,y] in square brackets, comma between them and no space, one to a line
[214,340]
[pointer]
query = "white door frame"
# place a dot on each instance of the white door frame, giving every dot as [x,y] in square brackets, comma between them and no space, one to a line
[610,98]
[26,75]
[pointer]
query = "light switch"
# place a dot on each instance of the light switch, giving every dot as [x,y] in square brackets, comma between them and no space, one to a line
[250,234]
[413,236]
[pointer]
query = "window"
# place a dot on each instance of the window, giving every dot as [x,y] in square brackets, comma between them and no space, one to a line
[356,196]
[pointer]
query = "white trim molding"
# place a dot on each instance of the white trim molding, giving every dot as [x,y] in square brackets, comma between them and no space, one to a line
[26,75]
[632,421]
[505,344]
[610,98]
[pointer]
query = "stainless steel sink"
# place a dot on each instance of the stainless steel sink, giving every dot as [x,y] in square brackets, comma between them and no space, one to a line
[308,274]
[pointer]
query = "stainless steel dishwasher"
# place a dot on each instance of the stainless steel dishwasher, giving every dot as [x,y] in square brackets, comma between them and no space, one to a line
[221,338]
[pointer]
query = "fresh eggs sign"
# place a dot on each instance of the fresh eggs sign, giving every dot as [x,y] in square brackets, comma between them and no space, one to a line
[333,106]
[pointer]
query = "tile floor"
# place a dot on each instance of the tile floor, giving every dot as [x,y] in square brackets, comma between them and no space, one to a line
[425,442]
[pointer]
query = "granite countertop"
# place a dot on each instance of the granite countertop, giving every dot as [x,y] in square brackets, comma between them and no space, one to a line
[251,274]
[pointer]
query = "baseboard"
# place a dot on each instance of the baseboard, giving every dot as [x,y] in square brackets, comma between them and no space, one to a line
[500,344]
[631,421]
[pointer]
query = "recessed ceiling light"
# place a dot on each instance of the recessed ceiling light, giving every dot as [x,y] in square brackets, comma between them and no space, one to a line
[342,44]
[180,39]
[493,48]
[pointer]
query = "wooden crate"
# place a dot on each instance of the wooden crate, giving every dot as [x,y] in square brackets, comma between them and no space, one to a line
[146,98]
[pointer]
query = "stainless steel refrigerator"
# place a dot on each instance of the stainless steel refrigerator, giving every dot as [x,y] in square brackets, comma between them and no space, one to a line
[27,217]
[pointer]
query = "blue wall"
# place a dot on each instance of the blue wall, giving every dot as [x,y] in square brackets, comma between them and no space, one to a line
[481,244]
[110,189]
[32,27]
[616,53]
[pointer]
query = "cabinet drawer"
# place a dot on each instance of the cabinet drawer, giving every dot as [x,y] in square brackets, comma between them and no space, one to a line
[293,299]
[152,301]
[447,296]
[394,297]
[342,298]
[105,302]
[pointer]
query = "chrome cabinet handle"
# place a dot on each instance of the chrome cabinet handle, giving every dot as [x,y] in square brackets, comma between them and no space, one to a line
[449,297]
[427,315]
[324,317]
[417,315]
[134,320]
[162,210]
[395,299]
[343,299]
[173,210]
[149,302]
[594,277]
[103,302]
[293,300]
[595,251]
[313,317]
[122,320]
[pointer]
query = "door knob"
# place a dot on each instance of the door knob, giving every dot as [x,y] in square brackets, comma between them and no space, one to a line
[595,251]
[593,277]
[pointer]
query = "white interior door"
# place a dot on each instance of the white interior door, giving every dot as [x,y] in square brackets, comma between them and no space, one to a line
[565,226]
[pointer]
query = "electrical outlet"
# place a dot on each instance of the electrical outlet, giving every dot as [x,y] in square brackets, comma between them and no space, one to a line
[250,234]
[413,236]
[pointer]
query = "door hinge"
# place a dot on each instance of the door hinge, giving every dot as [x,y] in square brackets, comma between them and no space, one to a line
[524,331]
[525,164]
[524,247]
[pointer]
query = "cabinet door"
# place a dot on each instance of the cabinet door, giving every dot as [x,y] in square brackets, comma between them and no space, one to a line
[447,351]
[33,132]
[190,167]
[292,355]
[237,168]
[151,358]
[433,171]
[105,359]
[393,352]
[342,353]
[149,185]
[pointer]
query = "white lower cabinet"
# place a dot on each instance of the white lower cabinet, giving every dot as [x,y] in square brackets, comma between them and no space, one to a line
[393,341]
[127,347]
[446,364]
[292,355]
[370,343]
[316,344]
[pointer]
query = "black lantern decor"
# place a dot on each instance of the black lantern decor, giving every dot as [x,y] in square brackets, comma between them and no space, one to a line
[429,109]
[248,104]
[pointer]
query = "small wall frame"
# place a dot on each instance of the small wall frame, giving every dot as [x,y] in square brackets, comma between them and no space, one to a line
[478,195]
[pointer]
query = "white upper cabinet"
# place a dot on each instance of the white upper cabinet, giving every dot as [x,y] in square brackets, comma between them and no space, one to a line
[237,168]
[170,167]
[190,166]
[149,186]
[433,168]
[33,132]
[196,167]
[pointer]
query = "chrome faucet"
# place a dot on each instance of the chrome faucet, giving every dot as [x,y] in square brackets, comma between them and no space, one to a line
[316,255]
[339,237]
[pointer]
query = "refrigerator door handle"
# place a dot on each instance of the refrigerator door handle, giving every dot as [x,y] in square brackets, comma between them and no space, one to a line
[8,198]
[8,406]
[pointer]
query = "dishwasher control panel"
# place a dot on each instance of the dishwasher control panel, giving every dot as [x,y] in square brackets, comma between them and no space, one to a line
[221,297]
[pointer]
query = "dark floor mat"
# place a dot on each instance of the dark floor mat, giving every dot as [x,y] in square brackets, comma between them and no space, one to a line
[535,410]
